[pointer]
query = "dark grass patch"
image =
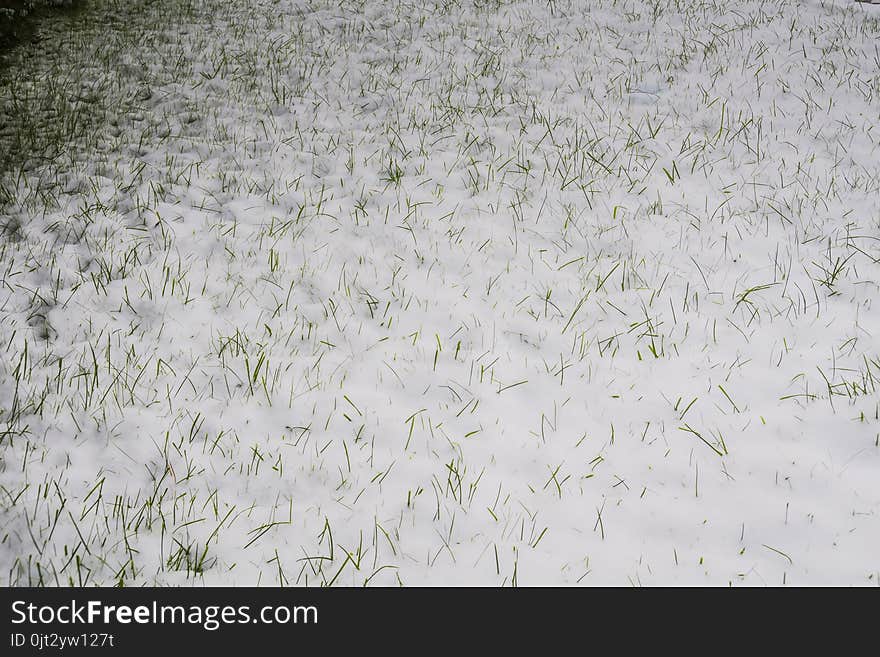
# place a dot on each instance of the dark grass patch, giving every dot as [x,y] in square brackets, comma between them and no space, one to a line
[18,18]
[41,111]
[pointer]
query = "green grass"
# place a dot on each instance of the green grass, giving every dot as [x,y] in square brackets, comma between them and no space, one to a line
[374,293]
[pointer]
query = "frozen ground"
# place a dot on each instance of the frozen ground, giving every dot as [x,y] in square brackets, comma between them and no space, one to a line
[310,292]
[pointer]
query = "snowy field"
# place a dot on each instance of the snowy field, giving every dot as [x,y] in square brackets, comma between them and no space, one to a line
[309,292]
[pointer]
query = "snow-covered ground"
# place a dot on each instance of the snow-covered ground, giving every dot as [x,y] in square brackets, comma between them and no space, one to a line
[471,292]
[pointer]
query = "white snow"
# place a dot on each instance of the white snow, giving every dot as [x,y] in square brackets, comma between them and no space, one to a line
[447,293]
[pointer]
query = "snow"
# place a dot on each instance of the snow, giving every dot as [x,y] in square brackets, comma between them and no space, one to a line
[495,293]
